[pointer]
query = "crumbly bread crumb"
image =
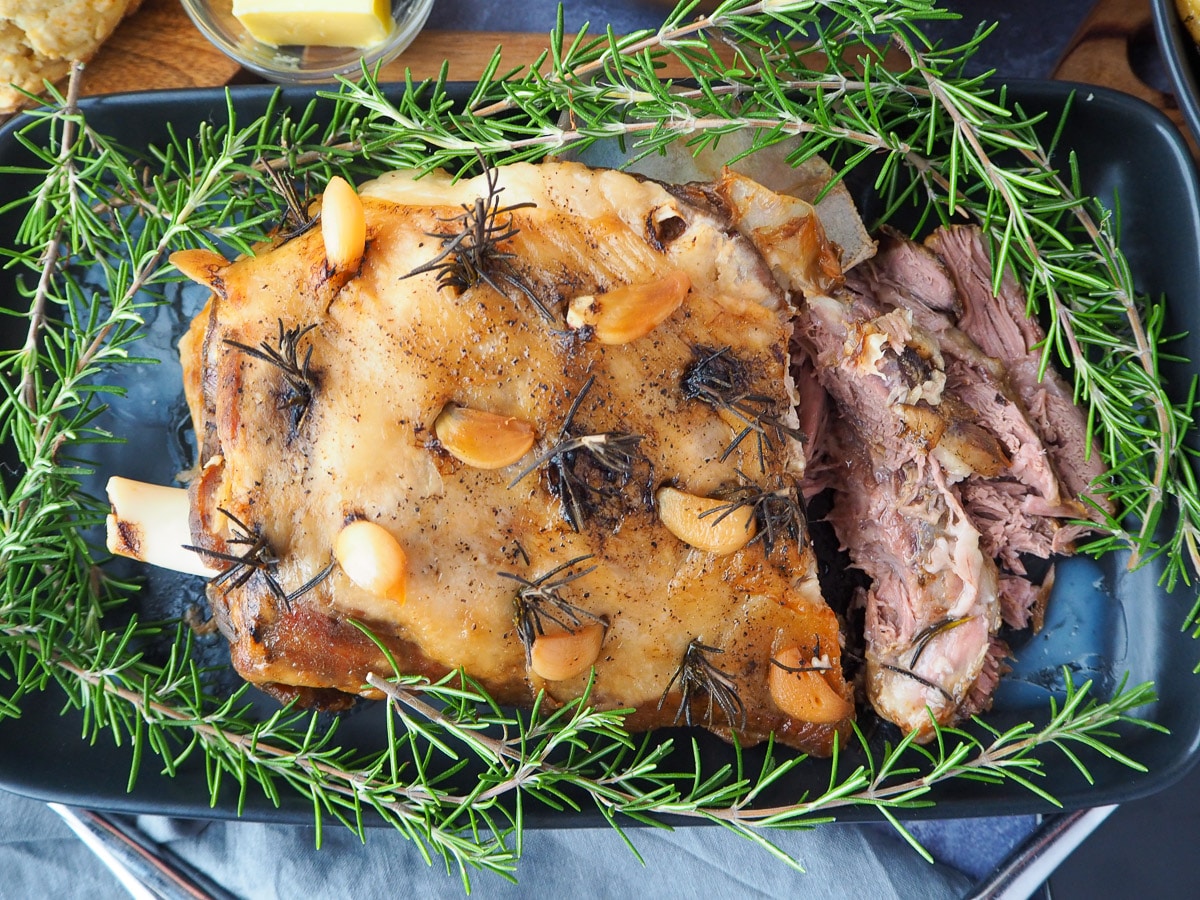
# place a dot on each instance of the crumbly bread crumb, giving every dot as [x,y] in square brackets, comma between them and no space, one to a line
[39,39]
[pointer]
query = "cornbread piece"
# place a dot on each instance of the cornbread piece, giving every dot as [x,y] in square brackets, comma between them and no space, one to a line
[39,39]
[506,420]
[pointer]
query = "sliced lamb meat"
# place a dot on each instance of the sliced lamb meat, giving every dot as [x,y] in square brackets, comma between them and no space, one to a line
[949,472]
[1023,603]
[907,274]
[991,368]
[1002,328]
[933,605]
[994,668]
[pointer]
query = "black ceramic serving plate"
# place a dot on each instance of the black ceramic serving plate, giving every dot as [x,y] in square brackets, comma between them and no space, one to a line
[1182,58]
[1104,622]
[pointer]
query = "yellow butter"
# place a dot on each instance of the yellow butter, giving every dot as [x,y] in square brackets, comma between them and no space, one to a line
[330,23]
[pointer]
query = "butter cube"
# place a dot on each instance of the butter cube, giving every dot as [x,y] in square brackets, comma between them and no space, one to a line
[328,23]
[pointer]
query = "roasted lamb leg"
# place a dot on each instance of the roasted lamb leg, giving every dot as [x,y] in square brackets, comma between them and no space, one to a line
[536,425]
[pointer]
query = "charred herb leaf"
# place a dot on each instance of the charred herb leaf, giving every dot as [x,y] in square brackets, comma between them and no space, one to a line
[722,380]
[471,252]
[697,676]
[778,510]
[587,470]
[296,220]
[540,600]
[795,670]
[258,557]
[920,679]
[921,641]
[298,376]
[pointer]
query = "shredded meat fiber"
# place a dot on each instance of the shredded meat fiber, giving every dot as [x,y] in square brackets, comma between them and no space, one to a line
[949,461]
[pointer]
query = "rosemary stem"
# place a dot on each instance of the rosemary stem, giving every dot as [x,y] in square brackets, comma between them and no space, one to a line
[662,39]
[37,314]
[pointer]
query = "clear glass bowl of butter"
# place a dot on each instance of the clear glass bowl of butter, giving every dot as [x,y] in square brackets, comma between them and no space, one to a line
[309,40]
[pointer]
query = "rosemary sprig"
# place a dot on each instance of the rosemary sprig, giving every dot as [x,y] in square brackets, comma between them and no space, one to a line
[539,600]
[295,220]
[778,510]
[471,252]
[299,377]
[587,469]
[698,676]
[258,557]
[937,140]
[722,380]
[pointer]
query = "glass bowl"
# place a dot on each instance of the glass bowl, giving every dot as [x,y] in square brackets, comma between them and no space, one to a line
[295,64]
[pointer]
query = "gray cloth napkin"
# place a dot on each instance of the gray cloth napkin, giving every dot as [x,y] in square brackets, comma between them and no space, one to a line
[41,857]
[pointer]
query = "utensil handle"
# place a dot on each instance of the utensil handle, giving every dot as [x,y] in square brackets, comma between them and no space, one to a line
[149,871]
[1037,858]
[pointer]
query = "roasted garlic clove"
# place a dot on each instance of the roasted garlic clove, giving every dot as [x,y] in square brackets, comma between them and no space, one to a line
[343,226]
[373,559]
[483,439]
[565,654]
[701,522]
[805,694]
[629,312]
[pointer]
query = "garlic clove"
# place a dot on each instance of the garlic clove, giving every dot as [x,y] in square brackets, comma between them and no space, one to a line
[565,654]
[483,439]
[373,559]
[805,695]
[200,266]
[631,311]
[700,523]
[343,226]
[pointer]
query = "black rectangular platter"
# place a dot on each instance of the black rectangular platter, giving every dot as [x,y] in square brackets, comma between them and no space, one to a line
[1104,622]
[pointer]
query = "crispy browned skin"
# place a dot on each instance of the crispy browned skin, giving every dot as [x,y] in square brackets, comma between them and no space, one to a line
[389,353]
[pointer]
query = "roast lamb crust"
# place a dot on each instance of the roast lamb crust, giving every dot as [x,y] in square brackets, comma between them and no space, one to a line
[391,352]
